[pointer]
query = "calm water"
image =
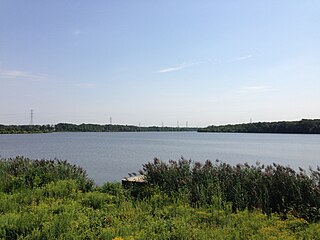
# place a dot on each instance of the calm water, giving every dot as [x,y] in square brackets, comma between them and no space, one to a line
[110,156]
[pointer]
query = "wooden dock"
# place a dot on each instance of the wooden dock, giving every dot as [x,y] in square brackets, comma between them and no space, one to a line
[131,181]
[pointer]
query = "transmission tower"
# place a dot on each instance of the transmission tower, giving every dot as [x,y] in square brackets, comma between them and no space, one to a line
[31,116]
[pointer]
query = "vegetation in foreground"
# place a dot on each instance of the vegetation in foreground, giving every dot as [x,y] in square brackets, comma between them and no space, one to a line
[55,200]
[271,189]
[305,126]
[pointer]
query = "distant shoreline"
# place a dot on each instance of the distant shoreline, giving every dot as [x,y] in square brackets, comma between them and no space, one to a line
[304,126]
[67,127]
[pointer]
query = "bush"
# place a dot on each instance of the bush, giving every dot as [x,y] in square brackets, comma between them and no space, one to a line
[21,173]
[273,188]
[62,210]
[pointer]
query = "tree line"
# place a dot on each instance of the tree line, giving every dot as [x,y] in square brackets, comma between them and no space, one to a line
[304,126]
[15,129]
[68,127]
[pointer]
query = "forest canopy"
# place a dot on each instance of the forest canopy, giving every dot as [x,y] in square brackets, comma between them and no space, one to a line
[68,127]
[305,126]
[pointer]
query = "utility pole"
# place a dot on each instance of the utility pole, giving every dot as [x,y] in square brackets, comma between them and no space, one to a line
[31,116]
[110,120]
[186,124]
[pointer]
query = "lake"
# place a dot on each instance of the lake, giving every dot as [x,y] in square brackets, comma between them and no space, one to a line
[110,156]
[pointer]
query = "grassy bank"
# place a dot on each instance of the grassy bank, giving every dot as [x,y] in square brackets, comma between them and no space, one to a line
[56,200]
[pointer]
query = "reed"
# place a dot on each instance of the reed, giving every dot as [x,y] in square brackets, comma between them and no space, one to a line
[272,188]
[21,173]
[55,208]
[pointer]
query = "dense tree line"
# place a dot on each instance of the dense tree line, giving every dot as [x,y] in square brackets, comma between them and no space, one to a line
[68,127]
[13,129]
[306,126]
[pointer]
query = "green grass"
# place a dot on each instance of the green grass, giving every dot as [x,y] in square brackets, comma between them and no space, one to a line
[65,209]
[272,189]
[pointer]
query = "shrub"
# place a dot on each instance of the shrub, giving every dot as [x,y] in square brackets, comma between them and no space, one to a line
[273,188]
[21,173]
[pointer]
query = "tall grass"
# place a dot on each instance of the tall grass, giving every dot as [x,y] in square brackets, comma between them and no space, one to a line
[21,173]
[272,188]
[59,206]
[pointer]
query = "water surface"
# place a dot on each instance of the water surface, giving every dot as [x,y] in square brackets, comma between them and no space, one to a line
[110,156]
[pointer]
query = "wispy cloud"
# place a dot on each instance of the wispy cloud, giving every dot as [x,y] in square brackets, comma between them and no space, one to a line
[242,58]
[209,60]
[17,74]
[180,66]
[174,68]
[84,85]
[256,88]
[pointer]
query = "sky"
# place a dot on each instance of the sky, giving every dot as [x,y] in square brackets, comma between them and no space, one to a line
[204,62]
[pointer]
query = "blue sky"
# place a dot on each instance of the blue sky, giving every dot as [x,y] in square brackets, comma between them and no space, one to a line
[148,62]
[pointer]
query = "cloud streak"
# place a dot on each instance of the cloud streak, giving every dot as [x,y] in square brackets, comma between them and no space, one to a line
[242,58]
[17,74]
[179,67]
[173,69]
[214,61]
